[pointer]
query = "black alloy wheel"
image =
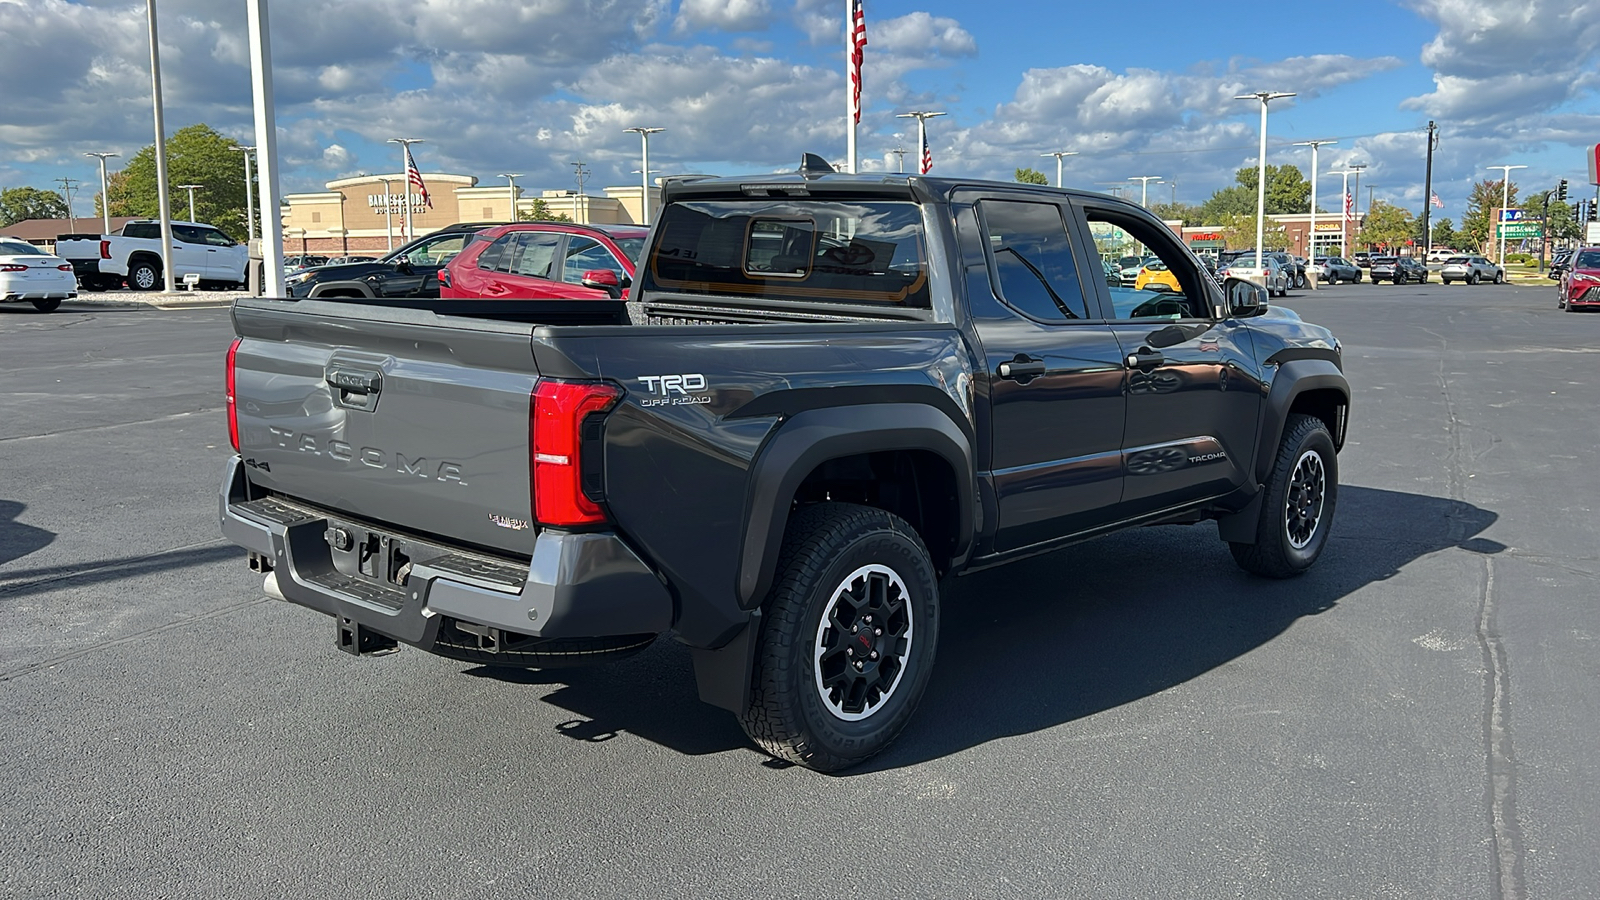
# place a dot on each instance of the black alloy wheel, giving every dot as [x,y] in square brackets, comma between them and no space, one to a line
[1297,504]
[847,637]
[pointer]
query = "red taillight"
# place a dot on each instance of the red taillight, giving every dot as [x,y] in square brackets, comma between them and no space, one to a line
[105,249]
[13,268]
[65,267]
[556,426]
[233,408]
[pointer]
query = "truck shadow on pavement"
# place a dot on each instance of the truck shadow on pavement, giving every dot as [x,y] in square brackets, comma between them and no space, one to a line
[16,539]
[1044,642]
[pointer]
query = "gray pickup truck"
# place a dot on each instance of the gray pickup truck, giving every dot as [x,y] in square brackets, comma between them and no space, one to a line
[829,394]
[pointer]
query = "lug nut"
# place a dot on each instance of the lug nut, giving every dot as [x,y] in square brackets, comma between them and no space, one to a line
[849,651]
[877,631]
[854,628]
[867,620]
[859,666]
[874,654]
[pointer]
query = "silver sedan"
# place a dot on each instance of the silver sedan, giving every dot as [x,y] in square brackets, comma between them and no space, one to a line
[1471,269]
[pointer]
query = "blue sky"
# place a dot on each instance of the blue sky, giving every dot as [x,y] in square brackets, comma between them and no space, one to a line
[747,85]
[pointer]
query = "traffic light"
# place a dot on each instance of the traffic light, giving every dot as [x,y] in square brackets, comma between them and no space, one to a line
[1577,211]
[1561,191]
[1591,216]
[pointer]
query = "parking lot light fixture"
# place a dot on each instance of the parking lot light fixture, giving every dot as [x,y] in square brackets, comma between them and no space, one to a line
[1264,97]
[1311,228]
[249,194]
[163,196]
[511,179]
[644,133]
[266,127]
[924,159]
[105,192]
[191,189]
[1058,154]
[388,211]
[1505,200]
[1144,187]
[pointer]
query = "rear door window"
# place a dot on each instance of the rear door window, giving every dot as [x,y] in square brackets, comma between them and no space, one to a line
[533,254]
[586,255]
[1032,265]
[866,253]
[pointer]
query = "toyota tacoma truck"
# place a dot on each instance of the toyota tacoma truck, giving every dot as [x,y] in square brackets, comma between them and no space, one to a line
[829,394]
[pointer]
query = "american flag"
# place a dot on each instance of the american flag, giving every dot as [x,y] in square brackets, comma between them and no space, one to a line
[1349,204]
[414,178]
[927,154]
[858,43]
[1434,199]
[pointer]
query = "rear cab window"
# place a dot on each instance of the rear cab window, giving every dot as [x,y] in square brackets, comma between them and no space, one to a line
[860,253]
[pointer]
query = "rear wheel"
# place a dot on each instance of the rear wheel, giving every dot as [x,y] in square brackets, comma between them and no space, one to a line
[1500,277]
[1445,280]
[144,276]
[46,305]
[1472,278]
[847,640]
[1298,504]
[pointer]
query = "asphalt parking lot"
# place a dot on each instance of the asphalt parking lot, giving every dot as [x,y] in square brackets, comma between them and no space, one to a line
[1133,717]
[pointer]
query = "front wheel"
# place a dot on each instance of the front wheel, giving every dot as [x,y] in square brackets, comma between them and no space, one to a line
[1297,505]
[1499,278]
[847,639]
[1473,278]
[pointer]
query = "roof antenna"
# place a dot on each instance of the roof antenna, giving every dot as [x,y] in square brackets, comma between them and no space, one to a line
[812,165]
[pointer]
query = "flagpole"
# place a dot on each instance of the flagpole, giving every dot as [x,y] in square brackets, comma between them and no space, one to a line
[405,160]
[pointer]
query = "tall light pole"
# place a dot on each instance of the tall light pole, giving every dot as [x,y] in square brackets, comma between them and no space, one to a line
[1505,200]
[105,190]
[1144,186]
[1355,196]
[163,201]
[511,179]
[405,157]
[644,168]
[1264,97]
[266,144]
[1058,154]
[922,117]
[1311,229]
[249,193]
[190,188]
[388,211]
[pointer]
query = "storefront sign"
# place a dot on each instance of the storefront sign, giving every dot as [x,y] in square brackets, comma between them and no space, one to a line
[397,202]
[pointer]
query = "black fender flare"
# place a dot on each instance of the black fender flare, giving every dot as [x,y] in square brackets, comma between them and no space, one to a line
[361,289]
[1299,370]
[813,437]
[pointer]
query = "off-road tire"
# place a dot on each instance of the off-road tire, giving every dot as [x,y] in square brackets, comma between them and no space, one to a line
[537,653]
[47,305]
[1274,553]
[139,281]
[789,715]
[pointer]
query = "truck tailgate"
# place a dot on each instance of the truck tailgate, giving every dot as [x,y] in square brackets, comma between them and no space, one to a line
[398,416]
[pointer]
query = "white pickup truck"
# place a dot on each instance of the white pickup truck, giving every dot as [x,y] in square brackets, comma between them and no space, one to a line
[134,254]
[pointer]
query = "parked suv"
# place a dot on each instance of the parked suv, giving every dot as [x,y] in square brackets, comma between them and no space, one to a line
[411,270]
[545,259]
[1471,269]
[1339,269]
[1410,269]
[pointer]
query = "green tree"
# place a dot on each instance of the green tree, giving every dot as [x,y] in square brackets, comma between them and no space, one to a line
[1559,225]
[1239,232]
[1386,225]
[539,211]
[1444,234]
[1287,192]
[21,203]
[1477,226]
[1031,176]
[195,155]
[1190,214]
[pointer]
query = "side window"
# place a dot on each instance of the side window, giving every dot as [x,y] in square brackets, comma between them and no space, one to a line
[439,252]
[493,256]
[1033,269]
[142,230]
[534,254]
[188,234]
[1168,285]
[586,254]
[216,238]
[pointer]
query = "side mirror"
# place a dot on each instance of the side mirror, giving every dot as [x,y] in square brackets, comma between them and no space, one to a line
[1245,298]
[603,280]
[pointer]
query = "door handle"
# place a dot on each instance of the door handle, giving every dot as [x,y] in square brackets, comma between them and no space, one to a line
[1145,358]
[1022,367]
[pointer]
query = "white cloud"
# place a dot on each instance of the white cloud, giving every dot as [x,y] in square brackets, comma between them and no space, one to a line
[726,15]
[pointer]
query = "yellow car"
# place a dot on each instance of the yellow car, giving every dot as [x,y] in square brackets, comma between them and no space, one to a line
[1156,277]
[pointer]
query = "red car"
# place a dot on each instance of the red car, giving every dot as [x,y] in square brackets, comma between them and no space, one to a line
[549,260]
[1580,283]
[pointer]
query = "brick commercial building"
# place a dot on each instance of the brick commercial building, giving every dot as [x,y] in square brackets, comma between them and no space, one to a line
[349,217]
